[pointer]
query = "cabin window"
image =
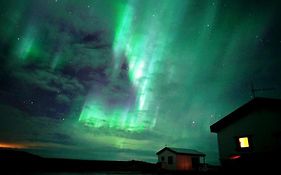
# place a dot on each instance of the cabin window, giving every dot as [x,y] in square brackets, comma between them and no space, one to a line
[243,143]
[170,160]
[162,159]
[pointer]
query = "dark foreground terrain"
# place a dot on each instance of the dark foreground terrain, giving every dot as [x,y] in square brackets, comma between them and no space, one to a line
[20,162]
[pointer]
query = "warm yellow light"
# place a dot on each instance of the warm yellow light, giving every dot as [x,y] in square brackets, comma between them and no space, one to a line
[244,142]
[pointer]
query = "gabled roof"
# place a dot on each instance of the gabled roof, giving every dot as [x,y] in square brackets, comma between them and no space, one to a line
[182,151]
[245,109]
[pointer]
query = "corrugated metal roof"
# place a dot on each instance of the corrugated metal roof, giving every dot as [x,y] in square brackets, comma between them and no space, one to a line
[185,151]
[182,151]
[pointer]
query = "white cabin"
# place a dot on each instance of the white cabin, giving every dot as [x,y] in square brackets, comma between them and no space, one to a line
[180,159]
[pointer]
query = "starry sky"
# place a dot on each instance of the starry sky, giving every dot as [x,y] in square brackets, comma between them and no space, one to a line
[121,79]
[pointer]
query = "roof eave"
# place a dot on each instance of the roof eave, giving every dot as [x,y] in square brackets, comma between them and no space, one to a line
[167,148]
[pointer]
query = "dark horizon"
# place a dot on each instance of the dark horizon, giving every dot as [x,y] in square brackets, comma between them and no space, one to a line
[18,161]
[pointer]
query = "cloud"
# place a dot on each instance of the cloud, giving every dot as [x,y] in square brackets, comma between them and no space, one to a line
[27,127]
[63,99]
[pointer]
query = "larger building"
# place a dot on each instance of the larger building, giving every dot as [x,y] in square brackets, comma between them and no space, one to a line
[250,136]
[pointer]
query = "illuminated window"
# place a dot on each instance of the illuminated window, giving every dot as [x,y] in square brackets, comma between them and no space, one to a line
[244,142]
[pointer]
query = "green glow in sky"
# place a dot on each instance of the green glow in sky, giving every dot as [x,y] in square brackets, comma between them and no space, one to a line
[95,114]
[27,47]
[143,48]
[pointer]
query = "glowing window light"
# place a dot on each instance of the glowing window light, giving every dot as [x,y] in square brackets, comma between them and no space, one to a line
[244,142]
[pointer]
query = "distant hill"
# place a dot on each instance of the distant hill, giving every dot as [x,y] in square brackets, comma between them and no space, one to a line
[15,154]
[21,161]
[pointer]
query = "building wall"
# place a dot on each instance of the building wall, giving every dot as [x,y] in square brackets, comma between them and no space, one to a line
[184,162]
[165,164]
[261,125]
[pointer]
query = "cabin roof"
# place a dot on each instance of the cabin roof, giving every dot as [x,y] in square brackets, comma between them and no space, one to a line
[182,151]
[245,109]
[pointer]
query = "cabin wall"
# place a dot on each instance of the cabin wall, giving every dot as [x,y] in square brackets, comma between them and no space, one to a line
[184,162]
[262,125]
[164,163]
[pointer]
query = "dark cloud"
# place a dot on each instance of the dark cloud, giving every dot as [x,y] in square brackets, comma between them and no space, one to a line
[93,37]
[41,88]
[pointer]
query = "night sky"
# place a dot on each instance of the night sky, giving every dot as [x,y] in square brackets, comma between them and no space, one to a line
[120,79]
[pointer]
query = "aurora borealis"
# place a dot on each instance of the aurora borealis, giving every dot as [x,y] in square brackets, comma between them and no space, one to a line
[120,79]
